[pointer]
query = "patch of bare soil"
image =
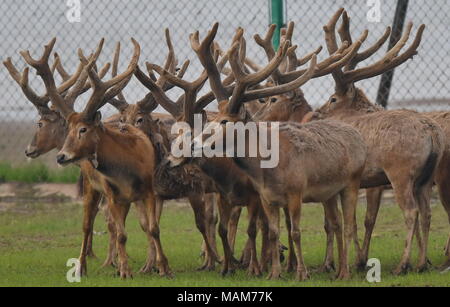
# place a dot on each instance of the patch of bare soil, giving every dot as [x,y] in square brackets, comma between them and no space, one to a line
[19,193]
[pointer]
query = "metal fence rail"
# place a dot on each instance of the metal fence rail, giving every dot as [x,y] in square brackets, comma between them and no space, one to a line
[420,84]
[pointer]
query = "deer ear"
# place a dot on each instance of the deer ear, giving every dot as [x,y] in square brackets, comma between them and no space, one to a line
[98,118]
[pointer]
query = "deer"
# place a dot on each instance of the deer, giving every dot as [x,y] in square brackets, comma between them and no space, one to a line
[233,188]
[232,111]
[193,184]
[50,134]
[51,127]
[441,179]
[89,143]
[409,162]
[292,106]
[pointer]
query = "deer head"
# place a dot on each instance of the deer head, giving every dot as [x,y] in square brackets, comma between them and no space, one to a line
[81,126]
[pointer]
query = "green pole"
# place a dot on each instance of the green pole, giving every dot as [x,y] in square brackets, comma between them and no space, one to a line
[277,18]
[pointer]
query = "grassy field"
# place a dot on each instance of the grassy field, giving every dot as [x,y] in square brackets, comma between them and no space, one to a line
[37,240]
[37,172]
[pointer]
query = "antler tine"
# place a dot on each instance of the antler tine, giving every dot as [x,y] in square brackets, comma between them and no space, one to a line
[45,57]
[44,71]
[244,80]
[160,96]
[330,32]
[391,59]
[266,42]
[190,88]
[171,59]
[345,34]
[330,38]
[101,88]
[204,53]
[115,68]
[57,65]
[168,86]
[40,102]
[309,56]
[284,88]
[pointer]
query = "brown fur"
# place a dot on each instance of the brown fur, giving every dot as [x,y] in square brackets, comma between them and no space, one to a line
[174,183]
[404,149]
[122,166]
[287,186]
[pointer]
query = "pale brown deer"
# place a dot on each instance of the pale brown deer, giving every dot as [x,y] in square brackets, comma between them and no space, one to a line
[51,128]
[188,182]
[404,146]
[441,179]
[124,174]
[273,192]
[51,133]
[231,111]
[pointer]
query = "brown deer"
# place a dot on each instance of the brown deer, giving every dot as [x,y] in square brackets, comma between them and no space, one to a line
[231,111]
[51,128]
[292,106]
[235,190]
[193,184]
[51,134]
[441,179]
[125,173]
[404,146]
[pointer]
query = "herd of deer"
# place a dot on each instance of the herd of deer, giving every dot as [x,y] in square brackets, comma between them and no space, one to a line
[346,145]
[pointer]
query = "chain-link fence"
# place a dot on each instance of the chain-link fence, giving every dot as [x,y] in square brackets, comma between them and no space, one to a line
[29,24]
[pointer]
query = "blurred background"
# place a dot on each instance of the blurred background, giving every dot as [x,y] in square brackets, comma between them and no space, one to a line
[421,84]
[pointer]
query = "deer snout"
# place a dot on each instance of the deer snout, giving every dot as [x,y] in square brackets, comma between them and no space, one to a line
[31,152]
[64,158]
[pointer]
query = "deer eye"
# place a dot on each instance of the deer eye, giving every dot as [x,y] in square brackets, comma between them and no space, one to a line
[262,100]
[83,130]
[122,120]
[40,125]
[333,100]
[273,100]
[140,120]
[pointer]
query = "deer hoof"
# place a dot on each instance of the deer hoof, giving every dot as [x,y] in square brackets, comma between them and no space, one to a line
[327,268]
[302,275]
[402,269]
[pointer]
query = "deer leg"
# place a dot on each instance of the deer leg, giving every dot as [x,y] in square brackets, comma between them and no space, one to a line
[335,221]
[404,195]
[198,206]
[443,182]
[265,246]
[424,196]
[90,250]
[154,214]
[349,201]
[91,200]
[292,258]
[373,197]
[225,215]
[119,213]
[233,226]
[273,216]
[211,222]
[295,212]
[112,245]
[252,231]
[328,264]
[149,265]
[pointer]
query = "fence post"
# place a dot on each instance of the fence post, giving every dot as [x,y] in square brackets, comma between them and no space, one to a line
[397,29]
[277,14]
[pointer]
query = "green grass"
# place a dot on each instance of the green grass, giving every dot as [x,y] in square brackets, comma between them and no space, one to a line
[36,172]
[37,240]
